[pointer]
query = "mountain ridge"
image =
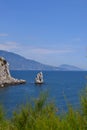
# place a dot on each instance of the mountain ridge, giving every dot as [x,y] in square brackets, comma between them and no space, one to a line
[18,62]
[65,67]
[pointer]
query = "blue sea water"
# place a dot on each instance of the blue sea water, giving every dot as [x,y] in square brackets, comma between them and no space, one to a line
[62,86]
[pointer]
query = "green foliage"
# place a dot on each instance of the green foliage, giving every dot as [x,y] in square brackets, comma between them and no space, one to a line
[43,115]
[84,101]
[84,106]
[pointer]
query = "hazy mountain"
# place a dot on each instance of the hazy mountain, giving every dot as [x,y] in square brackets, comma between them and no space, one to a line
[65,67]
[18,62]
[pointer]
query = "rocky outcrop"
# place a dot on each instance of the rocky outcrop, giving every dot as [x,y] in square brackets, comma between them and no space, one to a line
[5,76]
[39,78]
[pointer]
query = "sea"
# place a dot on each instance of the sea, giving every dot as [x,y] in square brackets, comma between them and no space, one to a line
[63,88]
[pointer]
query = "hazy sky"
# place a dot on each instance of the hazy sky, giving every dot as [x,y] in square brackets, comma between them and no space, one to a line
[49,31]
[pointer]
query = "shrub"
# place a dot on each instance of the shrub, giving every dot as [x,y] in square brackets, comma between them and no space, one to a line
[43,115]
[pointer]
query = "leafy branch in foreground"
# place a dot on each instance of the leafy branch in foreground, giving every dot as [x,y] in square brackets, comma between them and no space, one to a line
[43,115]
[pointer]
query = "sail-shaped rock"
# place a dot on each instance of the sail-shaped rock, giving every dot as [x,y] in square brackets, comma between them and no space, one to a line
[39,78]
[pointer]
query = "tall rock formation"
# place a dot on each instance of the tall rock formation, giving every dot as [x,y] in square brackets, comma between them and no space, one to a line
[5,76]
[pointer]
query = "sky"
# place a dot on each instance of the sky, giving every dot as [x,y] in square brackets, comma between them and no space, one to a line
[53,32]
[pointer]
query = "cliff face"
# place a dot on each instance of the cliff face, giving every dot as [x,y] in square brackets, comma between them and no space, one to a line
[4,69]
[5,76]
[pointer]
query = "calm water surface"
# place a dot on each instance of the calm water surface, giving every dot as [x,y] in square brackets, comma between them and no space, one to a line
[62,87]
